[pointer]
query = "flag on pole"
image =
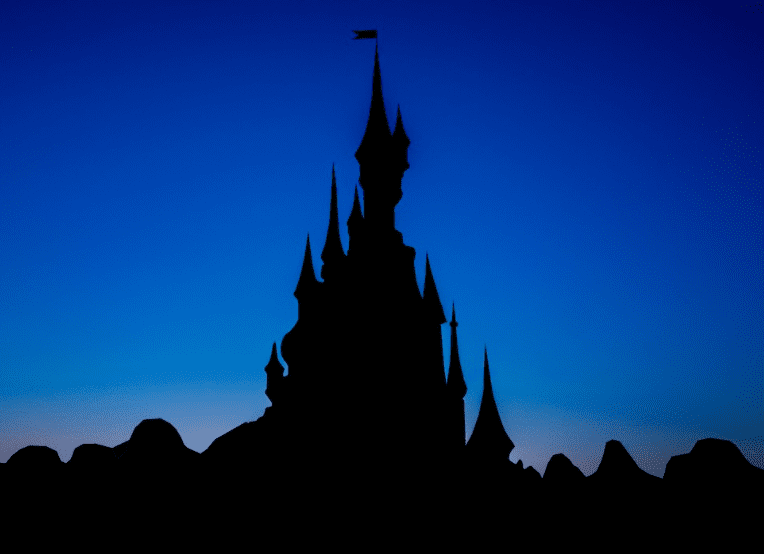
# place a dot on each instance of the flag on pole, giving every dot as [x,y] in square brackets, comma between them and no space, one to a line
[372,33]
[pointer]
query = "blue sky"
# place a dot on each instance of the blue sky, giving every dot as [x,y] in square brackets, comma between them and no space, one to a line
[586,178]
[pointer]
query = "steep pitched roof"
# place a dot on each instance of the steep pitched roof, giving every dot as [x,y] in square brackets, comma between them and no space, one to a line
[307,278]
[433,307]
[355,213]
[401,139]
[489,439]
[400,133]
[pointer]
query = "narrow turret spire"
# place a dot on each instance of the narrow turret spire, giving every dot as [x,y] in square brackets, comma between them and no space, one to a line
[489,439]
[433,307]
[401,141]
[400,132]
[456,385]
[307,278]
[333,250]
[377,132]
[355,213]
[355,226]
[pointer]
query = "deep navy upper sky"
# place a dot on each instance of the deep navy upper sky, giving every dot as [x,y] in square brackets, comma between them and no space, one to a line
[586,178]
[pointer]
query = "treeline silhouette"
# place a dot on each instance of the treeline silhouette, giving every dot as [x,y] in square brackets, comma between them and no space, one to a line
[154,475]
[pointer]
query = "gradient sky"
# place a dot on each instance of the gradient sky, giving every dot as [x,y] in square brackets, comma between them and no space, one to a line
[585,176]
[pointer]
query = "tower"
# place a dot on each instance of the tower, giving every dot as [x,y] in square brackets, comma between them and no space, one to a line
[382,158]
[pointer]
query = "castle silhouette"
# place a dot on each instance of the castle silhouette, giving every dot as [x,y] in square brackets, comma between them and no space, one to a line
[366,433]
[366,375]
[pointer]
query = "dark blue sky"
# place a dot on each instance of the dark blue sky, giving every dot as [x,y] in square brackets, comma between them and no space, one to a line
[585,176]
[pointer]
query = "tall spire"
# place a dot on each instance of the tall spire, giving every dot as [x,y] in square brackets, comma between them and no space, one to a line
[455,384]
[433,307]
[307,280]
[489,439]
[377,128]
[333,250]
[382,161]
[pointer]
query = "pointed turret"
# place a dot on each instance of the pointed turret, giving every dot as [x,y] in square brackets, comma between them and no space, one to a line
[275,373]
[377,134]
[333,251]
[434,366]
[355,225]
[355,214]
[489,440]
[307,281]
[433,307]
[401,141]
[299,344]
[456,386]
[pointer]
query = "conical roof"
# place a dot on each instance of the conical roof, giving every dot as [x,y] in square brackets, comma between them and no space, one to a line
[333,246]
[355,213]
[433,307]
[399,134]
[401,141]
[489,436]
[307,278]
